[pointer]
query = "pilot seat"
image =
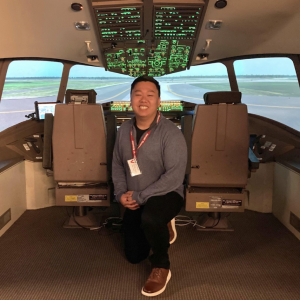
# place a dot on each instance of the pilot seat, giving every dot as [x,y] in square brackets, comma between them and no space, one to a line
[219,159]
[79,158]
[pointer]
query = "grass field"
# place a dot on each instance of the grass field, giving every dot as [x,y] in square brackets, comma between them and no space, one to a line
[284,89]
[49,87]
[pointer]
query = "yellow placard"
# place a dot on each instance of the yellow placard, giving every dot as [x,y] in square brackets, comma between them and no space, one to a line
[202,204]
[70,198]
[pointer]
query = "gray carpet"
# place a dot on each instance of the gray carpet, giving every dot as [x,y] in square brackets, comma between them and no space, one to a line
[41,260]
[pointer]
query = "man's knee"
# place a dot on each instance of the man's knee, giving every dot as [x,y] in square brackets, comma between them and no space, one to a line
[149,221]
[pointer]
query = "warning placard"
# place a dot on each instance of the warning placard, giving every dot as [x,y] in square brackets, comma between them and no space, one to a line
[85,198]
[97,197]
[202,204]
[70,198]
[215,202]
[231,203]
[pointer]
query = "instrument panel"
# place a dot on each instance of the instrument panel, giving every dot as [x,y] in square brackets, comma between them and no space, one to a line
[151,38]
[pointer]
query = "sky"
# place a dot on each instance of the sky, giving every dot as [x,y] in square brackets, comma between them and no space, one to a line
[257,66]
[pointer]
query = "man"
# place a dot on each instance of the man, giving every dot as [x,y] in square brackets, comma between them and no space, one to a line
[149,163]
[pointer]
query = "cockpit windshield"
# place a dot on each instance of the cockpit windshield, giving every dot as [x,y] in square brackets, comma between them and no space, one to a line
[269,86]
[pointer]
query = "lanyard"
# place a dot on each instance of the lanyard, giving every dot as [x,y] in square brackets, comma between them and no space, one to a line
[143,140]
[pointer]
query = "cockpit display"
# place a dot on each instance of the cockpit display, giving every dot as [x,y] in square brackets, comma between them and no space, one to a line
[44,108]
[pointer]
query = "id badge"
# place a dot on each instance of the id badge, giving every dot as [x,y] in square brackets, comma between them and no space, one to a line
[133,167]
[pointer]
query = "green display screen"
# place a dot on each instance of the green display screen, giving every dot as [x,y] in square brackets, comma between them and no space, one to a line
[168,57]
[120,23]
[176,22]
[164,106]
[167,50]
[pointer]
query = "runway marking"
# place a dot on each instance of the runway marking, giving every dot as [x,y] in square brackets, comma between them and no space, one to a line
[10,112]
[182,95]
[35,89]
[291,107]
[113,96]
[243,103]
[273,106]
[18,111]
[245,89]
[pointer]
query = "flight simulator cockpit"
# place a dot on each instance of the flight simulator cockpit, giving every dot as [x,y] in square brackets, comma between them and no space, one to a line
[78,137]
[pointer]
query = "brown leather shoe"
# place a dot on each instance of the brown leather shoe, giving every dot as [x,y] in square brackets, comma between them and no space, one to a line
[157,282]
[172,231]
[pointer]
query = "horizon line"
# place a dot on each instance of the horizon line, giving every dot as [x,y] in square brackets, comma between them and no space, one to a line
[173,77]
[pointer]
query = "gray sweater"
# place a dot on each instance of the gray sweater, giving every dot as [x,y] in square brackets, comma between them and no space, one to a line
[162,160]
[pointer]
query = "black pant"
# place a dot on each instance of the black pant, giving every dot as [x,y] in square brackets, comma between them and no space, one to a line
[146,228]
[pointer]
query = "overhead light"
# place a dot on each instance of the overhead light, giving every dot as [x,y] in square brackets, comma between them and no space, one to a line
[82,25]
[214,24]
[92,58]
[76,6]
[202,56]
[220,3]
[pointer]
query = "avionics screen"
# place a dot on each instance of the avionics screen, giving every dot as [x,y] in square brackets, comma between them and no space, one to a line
[45,108]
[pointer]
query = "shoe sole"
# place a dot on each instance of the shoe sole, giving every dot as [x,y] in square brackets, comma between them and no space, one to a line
[158,292]
[174,230]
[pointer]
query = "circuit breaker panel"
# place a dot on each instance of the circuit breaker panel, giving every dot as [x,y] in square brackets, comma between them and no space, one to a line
[147,37]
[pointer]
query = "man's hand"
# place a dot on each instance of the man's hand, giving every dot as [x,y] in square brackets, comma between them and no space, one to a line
[126,201]
[129,194]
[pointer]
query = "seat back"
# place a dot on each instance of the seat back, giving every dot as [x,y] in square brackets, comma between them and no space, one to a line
[79,143]
[79,155]
[220,143]
[219,155]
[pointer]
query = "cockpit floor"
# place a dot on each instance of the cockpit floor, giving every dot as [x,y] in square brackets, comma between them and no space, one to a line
[39,259]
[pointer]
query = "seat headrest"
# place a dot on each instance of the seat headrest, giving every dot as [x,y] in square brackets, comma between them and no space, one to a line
[222,97]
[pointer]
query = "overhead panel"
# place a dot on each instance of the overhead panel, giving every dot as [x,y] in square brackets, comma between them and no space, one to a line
[176,22]
[120,23]
[147,37]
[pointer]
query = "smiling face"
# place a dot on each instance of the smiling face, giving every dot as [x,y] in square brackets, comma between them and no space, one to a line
[145,100]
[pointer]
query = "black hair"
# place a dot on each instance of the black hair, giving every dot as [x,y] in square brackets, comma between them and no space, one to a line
[145,78]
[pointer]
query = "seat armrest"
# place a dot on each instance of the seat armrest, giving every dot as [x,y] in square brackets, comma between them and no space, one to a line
[253,162]
[48,130]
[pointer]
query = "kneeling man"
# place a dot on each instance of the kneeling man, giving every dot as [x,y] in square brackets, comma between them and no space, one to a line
[149,163]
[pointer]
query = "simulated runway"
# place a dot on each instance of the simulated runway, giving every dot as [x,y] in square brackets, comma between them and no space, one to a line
[282,109]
